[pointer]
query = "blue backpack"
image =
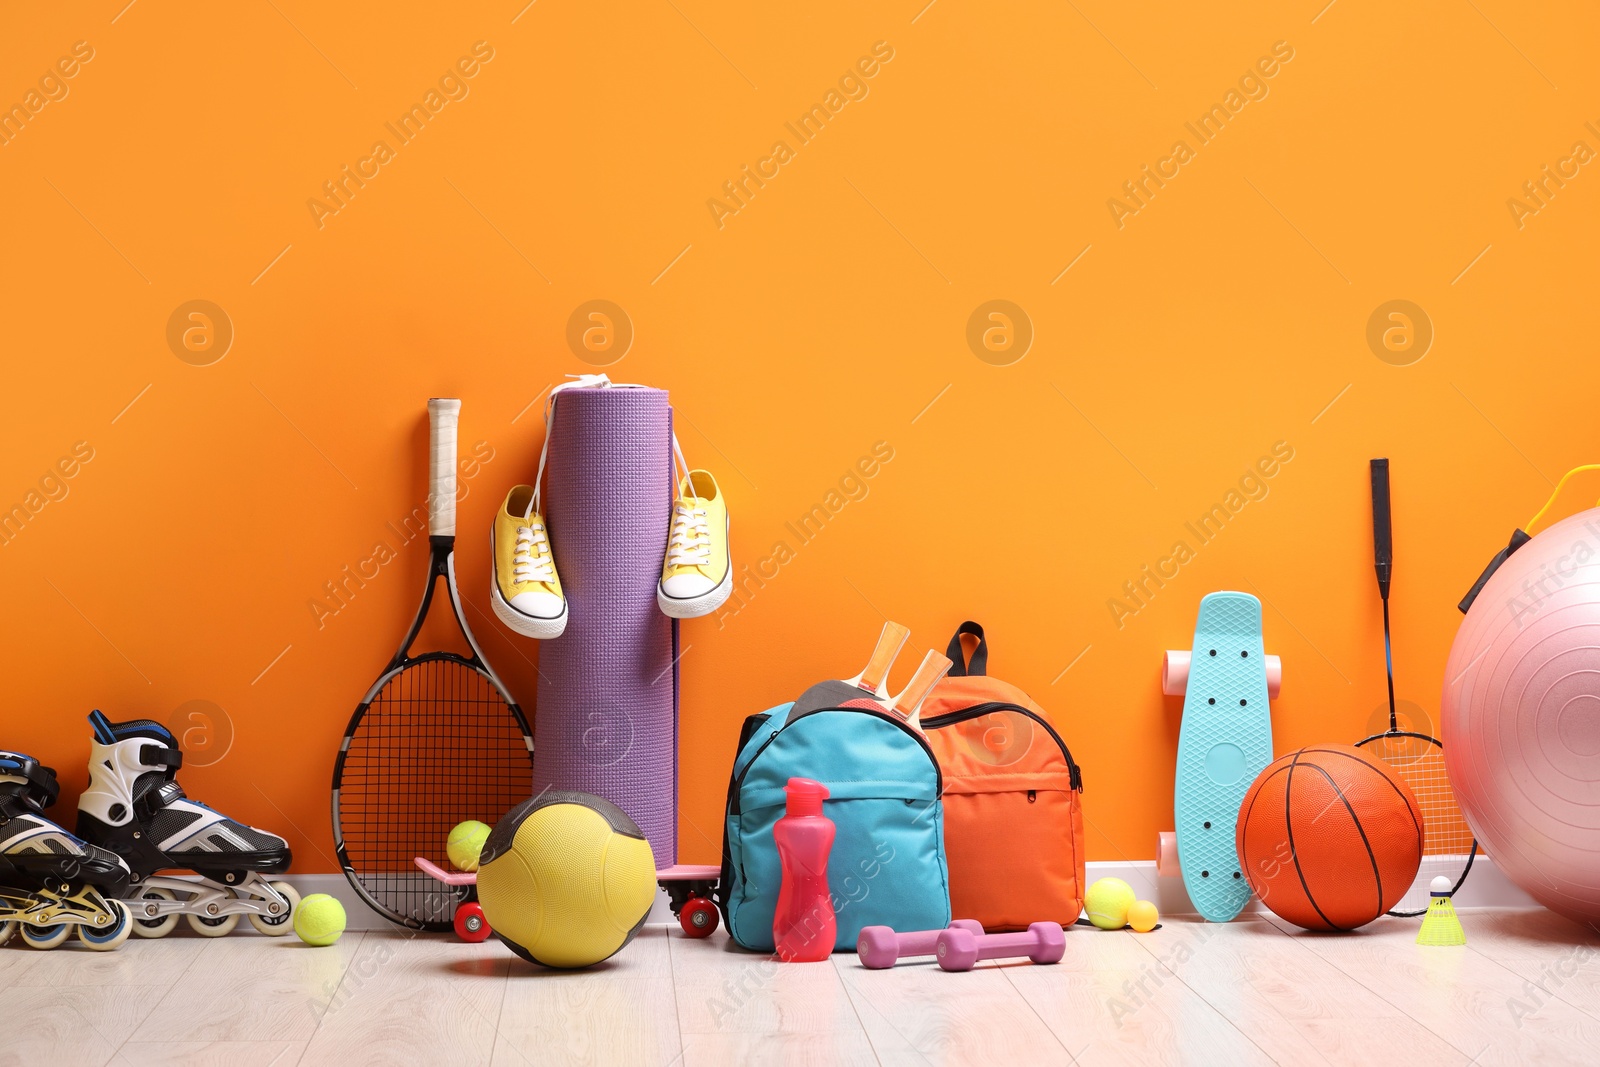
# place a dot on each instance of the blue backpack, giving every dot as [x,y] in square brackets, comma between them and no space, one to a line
[887,866]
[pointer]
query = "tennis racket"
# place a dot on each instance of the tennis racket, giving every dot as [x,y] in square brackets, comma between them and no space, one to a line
[436,740]
[1448,847]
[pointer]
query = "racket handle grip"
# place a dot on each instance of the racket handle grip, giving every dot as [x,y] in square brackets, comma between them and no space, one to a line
[890,642]
[908,704]
[443,416]
[1382,526]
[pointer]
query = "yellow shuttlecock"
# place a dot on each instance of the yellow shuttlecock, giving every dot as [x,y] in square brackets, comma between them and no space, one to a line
[1440,926]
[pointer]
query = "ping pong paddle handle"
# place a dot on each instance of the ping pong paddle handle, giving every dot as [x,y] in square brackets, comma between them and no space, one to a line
[890,642]
[908,702]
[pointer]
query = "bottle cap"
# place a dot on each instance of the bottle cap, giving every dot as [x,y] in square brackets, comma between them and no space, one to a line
[805,797]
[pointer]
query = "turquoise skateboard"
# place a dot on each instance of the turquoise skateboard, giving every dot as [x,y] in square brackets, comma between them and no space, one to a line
[1224,742]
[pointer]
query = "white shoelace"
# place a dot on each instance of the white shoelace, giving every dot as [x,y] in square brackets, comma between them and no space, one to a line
[533,560]
[690,542]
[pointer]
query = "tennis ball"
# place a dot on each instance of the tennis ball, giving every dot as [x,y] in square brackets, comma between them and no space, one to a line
[1107,903]
[1142,916]
[466,844]
[319,920]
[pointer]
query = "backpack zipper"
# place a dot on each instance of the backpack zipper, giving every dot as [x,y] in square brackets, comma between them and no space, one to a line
[734,807]
[950,718]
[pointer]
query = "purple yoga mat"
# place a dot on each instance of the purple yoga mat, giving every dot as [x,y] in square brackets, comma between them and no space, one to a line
[606,721]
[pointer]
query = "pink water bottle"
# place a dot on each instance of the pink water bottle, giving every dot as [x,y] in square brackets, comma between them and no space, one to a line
[803,926]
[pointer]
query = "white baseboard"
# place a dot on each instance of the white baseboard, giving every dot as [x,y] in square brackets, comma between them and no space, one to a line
[357,914]
[1486,887]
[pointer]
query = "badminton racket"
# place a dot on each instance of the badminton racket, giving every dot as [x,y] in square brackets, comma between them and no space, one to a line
[1448,847]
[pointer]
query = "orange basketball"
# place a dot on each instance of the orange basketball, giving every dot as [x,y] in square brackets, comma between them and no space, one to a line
[1329,837]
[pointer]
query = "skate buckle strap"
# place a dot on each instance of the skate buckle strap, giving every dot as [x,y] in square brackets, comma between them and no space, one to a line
[160,756]
[164,795]
[42,787]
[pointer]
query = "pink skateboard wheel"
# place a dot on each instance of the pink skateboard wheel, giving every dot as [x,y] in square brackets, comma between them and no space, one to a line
[1167,855]
[1174,672]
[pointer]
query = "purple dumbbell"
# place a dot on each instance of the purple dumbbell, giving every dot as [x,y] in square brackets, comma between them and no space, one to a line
[958,950]
[879,946]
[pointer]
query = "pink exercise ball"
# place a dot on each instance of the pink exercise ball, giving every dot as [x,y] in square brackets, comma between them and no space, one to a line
[1521,717]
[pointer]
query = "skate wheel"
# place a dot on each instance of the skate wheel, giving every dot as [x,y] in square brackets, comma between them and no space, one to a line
[1167,855]
[108,938]
[7,928]
[698,917]
[1274,676]
[220,926]
[1174,672]
[278,925]
[470,924]
[159,925]
[45,937]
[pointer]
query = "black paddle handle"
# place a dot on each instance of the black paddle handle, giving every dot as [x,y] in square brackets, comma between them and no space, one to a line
[1382,527]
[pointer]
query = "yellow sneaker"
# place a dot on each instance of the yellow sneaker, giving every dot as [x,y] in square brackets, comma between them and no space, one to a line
[697,575]
[524,588]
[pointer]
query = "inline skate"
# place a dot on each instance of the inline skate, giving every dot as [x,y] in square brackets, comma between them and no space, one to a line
[51,882]
[135,807]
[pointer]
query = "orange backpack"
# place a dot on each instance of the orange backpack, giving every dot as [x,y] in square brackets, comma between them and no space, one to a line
[1013,814]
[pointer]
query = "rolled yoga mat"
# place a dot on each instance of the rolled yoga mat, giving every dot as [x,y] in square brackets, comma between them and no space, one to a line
[606,721]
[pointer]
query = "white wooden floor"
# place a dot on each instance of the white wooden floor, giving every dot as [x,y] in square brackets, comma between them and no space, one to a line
[1526,989]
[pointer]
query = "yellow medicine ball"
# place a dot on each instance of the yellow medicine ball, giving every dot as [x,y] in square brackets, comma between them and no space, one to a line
[566,879]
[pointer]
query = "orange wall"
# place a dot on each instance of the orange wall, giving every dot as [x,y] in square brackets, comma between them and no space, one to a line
[830,312]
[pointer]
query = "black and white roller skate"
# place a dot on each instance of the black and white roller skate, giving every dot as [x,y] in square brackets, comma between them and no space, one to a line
[135,807]
[51,883]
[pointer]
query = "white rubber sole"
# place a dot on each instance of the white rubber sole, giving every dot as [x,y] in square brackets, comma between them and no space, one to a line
[520,622]
[695,606]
